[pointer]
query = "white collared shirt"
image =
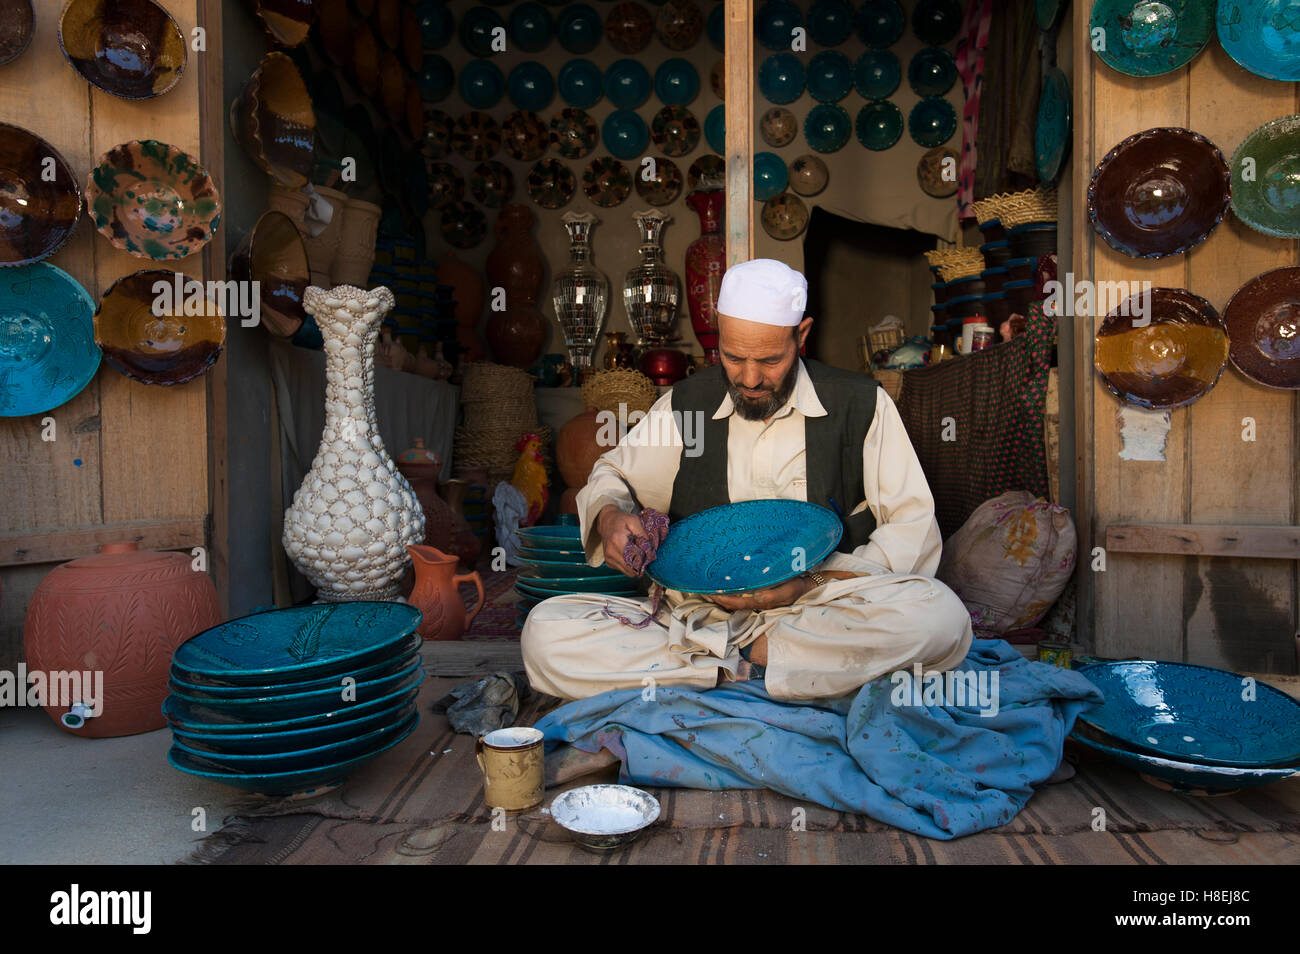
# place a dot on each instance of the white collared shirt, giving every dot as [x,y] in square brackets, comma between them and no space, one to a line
[767,459]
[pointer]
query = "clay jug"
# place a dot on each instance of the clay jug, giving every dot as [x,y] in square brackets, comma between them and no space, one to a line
[467,285]
[420,467]
[121,613]
[436,594]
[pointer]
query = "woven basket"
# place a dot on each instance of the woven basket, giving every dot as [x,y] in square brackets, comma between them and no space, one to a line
[891,381]
[1022,208]
[950,273]
[605,390]
[886,340]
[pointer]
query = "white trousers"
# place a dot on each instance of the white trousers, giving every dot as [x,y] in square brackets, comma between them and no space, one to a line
[833,640]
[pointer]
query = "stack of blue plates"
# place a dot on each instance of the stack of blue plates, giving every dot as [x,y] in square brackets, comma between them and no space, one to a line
[294,701]
[554,564]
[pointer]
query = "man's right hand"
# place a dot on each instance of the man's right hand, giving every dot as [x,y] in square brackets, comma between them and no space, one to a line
[615,528]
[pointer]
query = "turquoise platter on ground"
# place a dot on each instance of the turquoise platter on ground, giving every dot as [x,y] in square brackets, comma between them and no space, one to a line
[197,718]
[290,645]
[292,740]
[554,555]
[545,587]
[550,537]
[556,568]
[1194,714]
[741,547]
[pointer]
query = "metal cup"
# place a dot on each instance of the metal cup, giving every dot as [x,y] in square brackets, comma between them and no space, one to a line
[513,770]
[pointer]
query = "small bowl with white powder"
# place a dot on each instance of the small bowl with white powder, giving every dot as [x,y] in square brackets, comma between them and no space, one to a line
[604,817]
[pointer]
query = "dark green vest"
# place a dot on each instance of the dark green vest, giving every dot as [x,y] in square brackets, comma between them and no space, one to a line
[833,446]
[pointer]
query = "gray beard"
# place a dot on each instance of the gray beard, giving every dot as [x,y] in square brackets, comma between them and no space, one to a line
[763,408]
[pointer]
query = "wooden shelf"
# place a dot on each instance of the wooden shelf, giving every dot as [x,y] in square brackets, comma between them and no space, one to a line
[1271,543]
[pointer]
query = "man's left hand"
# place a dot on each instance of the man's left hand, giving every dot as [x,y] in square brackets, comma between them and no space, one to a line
[783,594]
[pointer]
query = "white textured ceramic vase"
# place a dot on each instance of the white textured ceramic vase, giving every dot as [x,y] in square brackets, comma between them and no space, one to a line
[354,515]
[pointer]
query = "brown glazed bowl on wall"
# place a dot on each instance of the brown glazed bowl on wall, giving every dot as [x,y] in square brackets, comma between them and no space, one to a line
[275,255]
[288,21]
[1159,192]
[1263,320]
[150,337]
[36,216]
[17,25]
[129,48]
[274,121]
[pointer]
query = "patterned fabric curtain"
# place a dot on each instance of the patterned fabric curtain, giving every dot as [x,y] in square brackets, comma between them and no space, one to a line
[970,66]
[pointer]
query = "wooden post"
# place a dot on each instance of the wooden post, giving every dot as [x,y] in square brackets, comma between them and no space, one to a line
[739,73]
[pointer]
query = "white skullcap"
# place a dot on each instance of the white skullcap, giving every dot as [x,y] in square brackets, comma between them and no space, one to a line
[763,290]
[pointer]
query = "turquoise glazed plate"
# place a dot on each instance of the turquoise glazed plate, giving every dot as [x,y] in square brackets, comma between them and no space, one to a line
[436,24]
[47,339]
[627,83]
[781,78]
[1194,714]
[880,23]
[827,127]
[579,28]
[302,642]
[716,27]
[197,718]
[770,175]
[932,71]
[715,130]
[531,26]
[287,783]
[774,23]
[676,82]
[830,76]
[551,537]
[477,27]
[300,760]
[482,84]
[936,21]
[542,553]
[1263,36]
[260,743]
[741,547]
[581,83]
[1188,778]
[1148,39]
[625,134]
[1269,201]
[830,22]
[932,121]
[531,86]
[612,582]
[555,569]
[879,125]
[1052,134]
[877,74]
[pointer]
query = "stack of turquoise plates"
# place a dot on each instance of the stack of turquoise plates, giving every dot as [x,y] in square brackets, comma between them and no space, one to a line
[554,564]
[294,701]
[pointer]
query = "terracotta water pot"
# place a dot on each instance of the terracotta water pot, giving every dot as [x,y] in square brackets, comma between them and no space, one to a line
[121,613]
[436,594]
[576,447]
[420,467]
[467,288]
[518,334]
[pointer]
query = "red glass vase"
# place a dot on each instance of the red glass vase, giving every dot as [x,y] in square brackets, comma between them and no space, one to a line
[706,260]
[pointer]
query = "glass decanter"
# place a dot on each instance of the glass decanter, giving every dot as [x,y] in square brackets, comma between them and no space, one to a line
[580,292]
[652,290]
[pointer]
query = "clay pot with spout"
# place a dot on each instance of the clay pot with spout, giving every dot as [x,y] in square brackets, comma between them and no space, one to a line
[436,594]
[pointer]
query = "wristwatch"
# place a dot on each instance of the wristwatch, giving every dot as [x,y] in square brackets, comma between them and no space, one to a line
[816,577]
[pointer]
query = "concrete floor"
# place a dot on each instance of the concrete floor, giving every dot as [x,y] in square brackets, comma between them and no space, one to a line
[67,800]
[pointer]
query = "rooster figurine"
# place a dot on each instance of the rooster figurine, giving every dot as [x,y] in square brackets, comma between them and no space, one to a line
[530,478]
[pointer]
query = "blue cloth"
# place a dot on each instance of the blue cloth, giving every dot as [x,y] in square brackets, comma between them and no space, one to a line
[942,770]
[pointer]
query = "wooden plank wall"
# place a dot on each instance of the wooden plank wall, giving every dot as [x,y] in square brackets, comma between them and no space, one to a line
[1223,611]
[125,453]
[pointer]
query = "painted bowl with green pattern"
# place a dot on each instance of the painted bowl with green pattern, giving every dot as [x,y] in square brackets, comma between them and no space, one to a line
[1266,178]
[152,200]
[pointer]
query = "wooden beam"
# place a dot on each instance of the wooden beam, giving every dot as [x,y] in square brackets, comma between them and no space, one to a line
[739,103]
[68,543]
[1274,543]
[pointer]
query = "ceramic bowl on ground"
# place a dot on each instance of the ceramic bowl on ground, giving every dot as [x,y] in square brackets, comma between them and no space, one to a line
[288,783]
[770,175]
[628,27]
[531,27]
[663,187]
[48,353]
[936,172]
[196,718]
[17,25]
[288,21]
[740,547]
[1186,778]
[481,84]
[676,82]
[606,182]
[715,129]
[627,83]
[880,23]
[876,74]
[1269,201]
[579,28]
[551,183]
[679,24]
[932,71]
[775,22]
[1170,362]
[706,168]
[531,86]
[492,184]
[437,25]
[463,225]
[932,121]
[573,133]
[1263,321]
[778,126]
[625,134]
[476,136]
[168,343]
[675,131]
[1263,36]
[605,817]
[130,48]
[830,22]
[781,78]
[879,124]
[829,76]
[551,537]
[150,199]
[1159,192]
[478,25]
[784,216]
[290,645]
[581,83]
[273,119]
[936,21]
[564,569]
[262,743]
[1052,132]
[525,135]
[809,175]
[827,127]
[1194,714]
[38,214]
[1148,39]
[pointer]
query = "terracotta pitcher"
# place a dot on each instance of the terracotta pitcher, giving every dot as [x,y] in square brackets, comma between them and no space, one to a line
[436,594]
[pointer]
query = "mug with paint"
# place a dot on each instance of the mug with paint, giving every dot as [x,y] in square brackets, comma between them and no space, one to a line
[513,769]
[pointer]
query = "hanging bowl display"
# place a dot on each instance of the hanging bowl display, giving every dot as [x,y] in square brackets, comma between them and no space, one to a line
[628,27]
[47,339]
[879,124]
[809,175]
[1269,200]
[679,24]
[707,168]
[530,27]
[625,134]
[1263,321]
[476,136]
[880,23]
[477,27]
[675,131]
[574,133]
[663,187]
[1159,192]
[627,83]
[715,27]
[778,126]
[932,121]
[579,28]
[551,184]
[830,22]
[482,84]
[784,216]
[436,78]
[1263,36]
[1052,132]
[827,127]
[932,71]
[274,255]
[17,25]
[531,86]
[38,213]
[770,175]
[129,48]
[581,83]
[436,24]
[164,345]
[829,76]
[463,225]
[775,22]
[936,21]
[676,82]
[781,78]
[524,135]
[273,119]
[1149,39]
[715,129]
[606,182]
[288,21]
[446,184]
[936,172]
[877,74]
